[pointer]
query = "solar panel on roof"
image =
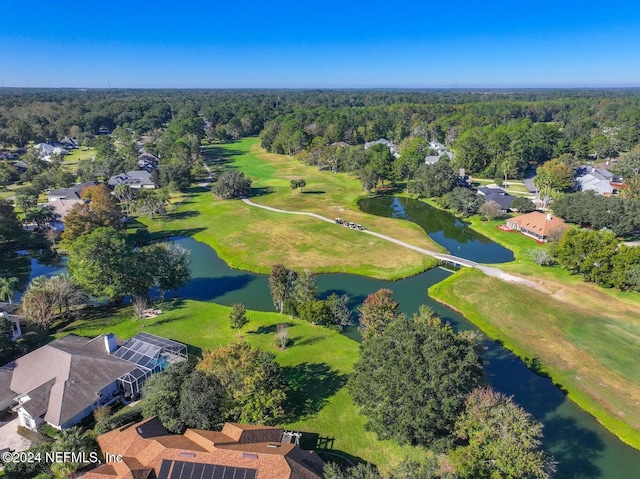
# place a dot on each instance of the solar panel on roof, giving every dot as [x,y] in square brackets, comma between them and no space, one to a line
[187,470]
[218,472]
[164,469]
[197,471]
[207,473]
[176,472]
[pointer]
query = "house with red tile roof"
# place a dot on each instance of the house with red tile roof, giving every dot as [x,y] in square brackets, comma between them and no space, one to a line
[145,450]
[536,225]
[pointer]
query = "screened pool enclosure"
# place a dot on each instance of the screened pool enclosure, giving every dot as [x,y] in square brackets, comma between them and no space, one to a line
[150,354]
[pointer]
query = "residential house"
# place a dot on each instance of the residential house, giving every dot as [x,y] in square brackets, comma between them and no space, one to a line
[536,225]
[599,180]
[69,143]
[498,195]
[7,310]
[64,381]
[46,150]
[382,141]
[239,451]
[437,150]
[20,166]
[61,208]
[147,161]
[72,193]
[136,179]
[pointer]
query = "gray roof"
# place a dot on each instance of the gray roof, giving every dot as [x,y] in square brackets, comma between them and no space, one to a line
[498,195]
[383,141]
[589,178]
[77,369]
[71,193]
[5,383]
[9,307]
[134,178]
[38,402]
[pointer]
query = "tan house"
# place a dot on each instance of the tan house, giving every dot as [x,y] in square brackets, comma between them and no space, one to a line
[536,225]
[240,451]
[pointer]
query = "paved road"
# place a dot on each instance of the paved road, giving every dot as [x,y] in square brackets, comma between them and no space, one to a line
[488,270]
[528,182]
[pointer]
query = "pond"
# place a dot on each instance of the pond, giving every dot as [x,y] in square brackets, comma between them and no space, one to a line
[583,448]
[443,227]
[28,264]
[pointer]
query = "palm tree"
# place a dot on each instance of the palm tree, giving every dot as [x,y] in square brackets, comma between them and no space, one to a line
[8,288]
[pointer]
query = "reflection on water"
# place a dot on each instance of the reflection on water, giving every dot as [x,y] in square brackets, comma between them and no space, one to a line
[28,264]
[443,227]
[583,448]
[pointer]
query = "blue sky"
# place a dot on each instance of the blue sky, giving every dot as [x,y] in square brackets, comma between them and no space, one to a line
[321,44]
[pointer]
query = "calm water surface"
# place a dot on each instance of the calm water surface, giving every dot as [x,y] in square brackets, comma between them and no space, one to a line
[583,448]
[443,227]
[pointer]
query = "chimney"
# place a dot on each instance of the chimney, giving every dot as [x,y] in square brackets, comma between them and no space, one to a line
[110,342]
[549,217]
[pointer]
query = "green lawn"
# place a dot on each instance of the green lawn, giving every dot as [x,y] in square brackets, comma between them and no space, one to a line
[73,158]
[585,336]
[315,364]
[588,344]
[254,239]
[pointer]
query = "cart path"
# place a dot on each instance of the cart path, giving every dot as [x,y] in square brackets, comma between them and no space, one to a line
[488,270]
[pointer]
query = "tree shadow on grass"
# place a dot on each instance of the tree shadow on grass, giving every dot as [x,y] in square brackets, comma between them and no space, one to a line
[311,386]
[261,191]
[180,215]
[270,329]
[197,189]
[303,341]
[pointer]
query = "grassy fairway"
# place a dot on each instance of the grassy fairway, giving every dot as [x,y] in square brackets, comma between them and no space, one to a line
[73,158]
[586,337]
[315,365]
[254,239]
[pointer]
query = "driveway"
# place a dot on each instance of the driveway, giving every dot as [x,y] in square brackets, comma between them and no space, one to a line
[10,438]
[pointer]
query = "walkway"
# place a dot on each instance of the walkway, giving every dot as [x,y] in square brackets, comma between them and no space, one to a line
[488,270]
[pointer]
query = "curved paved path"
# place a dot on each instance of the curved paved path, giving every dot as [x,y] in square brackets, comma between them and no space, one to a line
[488,270]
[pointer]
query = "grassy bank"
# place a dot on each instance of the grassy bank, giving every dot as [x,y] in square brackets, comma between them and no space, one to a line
[315,364]
[585,341]
[585,336]
[254,239]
